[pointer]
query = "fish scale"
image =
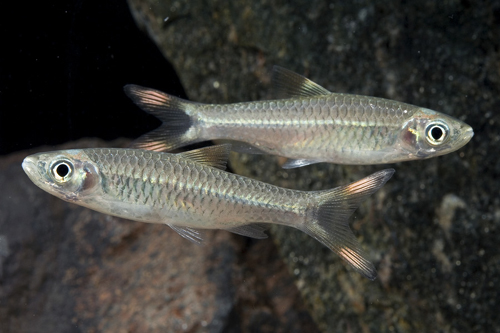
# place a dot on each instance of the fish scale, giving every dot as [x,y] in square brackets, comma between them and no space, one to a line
[354,121]
[190,183]
[190,191]
[309,125]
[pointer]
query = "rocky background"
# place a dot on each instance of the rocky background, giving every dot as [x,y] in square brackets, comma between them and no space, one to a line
[431,231]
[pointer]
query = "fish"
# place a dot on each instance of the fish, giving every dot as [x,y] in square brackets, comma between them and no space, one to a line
[191,192]
[307,125]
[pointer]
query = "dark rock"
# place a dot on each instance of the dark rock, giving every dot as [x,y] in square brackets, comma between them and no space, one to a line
[431,230]
[65,268]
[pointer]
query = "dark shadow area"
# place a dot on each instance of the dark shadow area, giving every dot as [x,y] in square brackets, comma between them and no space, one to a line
[63,68]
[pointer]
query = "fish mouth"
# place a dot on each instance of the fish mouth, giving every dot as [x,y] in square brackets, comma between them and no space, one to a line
[29,166]
[33,166]
[469,133]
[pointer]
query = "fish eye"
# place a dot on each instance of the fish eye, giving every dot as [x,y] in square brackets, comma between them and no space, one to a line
[62,171]
[436,133]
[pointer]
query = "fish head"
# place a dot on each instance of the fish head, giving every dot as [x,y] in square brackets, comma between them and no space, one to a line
[65,174]
[429,133]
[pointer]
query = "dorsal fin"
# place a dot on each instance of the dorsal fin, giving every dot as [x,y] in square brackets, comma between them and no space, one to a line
[287,84]
[214,156]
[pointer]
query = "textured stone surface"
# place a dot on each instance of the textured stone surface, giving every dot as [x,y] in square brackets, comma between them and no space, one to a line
[432,230]
[64,268]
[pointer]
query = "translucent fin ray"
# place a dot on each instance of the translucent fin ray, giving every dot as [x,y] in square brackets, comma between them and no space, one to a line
[253,230]
[191,234]
[214,156]
[242,147]
[287,84]
[170,110]
[330,223]
[291,163]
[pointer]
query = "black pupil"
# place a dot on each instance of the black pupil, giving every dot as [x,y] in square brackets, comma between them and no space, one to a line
[62,170]
[436,133]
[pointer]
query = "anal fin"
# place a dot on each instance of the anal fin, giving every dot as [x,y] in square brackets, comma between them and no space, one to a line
[253,230]
[241,147]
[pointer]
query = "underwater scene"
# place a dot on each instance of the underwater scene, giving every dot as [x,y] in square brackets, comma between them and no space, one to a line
[250,166]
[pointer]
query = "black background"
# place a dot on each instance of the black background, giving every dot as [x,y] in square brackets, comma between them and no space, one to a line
[63,66]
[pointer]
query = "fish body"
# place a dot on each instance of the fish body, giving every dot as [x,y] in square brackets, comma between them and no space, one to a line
[310,125]
[190,191]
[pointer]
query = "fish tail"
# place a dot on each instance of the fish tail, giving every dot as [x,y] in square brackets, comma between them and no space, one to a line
[329,222]
[177,128]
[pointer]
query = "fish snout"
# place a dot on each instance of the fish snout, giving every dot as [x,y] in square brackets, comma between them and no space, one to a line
[34,167]
[468,134]
[29,165]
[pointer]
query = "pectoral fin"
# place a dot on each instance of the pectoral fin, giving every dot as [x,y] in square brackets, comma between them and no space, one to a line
[193,235]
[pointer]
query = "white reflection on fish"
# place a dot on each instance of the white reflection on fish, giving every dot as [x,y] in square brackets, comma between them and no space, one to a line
[311,125]
[191,191]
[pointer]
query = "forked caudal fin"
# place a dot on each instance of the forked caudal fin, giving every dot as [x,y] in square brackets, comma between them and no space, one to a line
[169,109]
[329,223]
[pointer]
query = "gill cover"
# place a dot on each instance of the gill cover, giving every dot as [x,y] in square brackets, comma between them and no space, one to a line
[429,133]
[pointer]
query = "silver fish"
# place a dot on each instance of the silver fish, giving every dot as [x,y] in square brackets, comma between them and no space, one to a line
[312,125]
[191,191]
